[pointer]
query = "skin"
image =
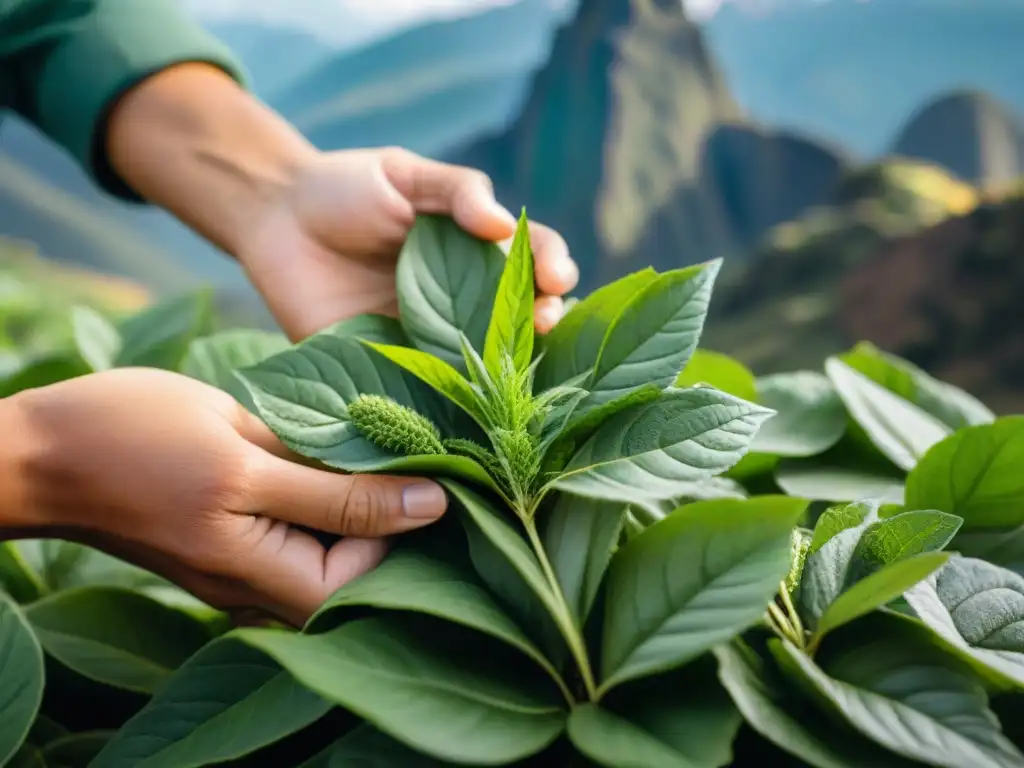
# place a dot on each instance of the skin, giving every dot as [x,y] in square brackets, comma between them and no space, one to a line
[176,476]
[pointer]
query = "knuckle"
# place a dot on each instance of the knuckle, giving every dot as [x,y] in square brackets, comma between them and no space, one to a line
[360,511]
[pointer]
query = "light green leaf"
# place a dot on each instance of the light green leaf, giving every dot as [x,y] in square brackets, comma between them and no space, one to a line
[17,577]
[579,537]
[572,347]
[21,678]
[655,334]
[657,450]
[824,480]
[693,580]
[447,280]
[215,359]
[511,326]
[366,747]
[63,565]
[159,336]
[892,684]
[902,535]
[976,474]
[718,371]
[979,608]
[96,338]
[440,692]
[115,636]
[225,702]
[837,519]
[810,417]
[898,428]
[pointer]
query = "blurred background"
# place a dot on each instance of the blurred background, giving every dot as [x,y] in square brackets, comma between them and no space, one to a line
[859,164]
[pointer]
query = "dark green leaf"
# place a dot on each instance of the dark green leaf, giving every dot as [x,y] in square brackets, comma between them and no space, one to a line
[64,565]
[447,280]
[611,740]
[96,338]
[43,372]
[426,689]
[159,337]
[694,580]
[115,636]
[225,702]
[366,747]
[511,325]
[21,678]
[810,417]
[74,750]
[824,480]
[656,451]
[215,359]
[17,577]
[976,474]
[719,371]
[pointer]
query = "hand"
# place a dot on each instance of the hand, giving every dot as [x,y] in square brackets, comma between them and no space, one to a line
[177,477]
[327,248]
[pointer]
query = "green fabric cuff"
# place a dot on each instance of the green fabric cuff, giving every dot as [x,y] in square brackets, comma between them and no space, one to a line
[111,49]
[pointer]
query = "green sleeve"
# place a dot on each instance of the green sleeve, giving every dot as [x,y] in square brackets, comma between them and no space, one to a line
[68,61]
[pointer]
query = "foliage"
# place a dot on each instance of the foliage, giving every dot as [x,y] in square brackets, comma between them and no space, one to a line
[652,557]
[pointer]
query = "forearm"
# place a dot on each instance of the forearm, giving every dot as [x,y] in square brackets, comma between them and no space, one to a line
[20,454]
[191,140]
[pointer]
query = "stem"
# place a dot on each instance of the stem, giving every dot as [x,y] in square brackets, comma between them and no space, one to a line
[794,615]
[782,622]
[563,617]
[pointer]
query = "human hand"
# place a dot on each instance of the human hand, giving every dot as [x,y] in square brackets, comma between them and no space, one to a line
[178,478]
[327,247]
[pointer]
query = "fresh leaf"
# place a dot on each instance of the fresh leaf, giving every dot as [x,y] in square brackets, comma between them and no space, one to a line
[64,564]
[837,519]
[159,337]
[423,687]
[611,740]
[572,347]
[899,429]
[579,537]
[215,359]
[656,451]
[826,480]
[42,372]
[96,338]
[369,748]
[718,371]
[809,415]
[447,280]
[21,678]
[75,749]
[511,326]
[976,474]
[115,636]
[902,535]
[693,580]
[17,577]
[225,702]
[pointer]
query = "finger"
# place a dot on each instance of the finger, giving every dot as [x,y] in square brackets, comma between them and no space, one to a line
[465,194]
[555,271]
[348,505]
[547,311]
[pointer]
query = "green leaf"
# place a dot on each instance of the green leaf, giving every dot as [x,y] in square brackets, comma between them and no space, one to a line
[693,580]
[718,371]
[21,678]
[572,347]
[439,692]
[654,335]
[64,565]
[611,740]
[225,702]
[511,326]
[947,403]
[809,416]
[975,474]
[891,683]
[43,372]
[878,589]
[826,480]
[17,577]
[215,359]
[898,429]
[413,581]
[837,519]
[447,280]
[655,451]
[116,637]
[902,535]
[367,747]
[579,537]
[979,608]
[771,709]
[159,337]
[75,749]
[96,338]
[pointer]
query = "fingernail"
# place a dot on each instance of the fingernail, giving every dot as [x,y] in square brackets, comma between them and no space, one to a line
[424,501]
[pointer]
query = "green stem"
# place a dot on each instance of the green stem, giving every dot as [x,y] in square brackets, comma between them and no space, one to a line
[781,622]
[563,617]
[794,615]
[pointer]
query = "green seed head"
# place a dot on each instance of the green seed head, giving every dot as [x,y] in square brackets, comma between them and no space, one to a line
[800,543]
[394,427]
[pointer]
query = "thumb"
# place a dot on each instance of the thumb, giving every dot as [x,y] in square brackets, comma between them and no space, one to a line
[465,194]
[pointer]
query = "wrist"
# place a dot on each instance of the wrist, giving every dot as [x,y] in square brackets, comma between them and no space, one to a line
[22,462]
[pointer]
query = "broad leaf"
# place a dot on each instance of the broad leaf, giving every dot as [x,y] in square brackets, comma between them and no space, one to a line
[64,564]
[889,682]
[693,580]
[510,331]
[837,519]
[116,637]
[898,428]
[611,740]
[447,280]
[718,371]
[809,415]
[902,535]
[75,749]
[159,337]
[21,678]
[657,450]
[824,480]
[439,692]
[572,347]
[579,537]
[17,577]
[369,748]
[655,334]
[975,474]
[225,702]
[215,359]
[979,608]
[42,372]
[96,338]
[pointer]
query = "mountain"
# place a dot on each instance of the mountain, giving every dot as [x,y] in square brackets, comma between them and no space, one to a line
[970,133]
